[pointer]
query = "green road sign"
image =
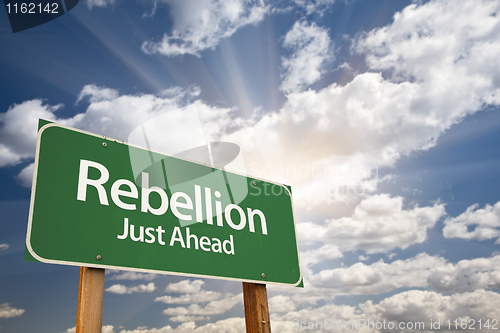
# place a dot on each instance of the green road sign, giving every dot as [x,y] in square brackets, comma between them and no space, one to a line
[100,202]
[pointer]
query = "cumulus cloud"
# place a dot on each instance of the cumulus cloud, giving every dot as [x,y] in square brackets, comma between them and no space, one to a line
[216,307]
[466,275]
[108,113]
[4,246]
[97,94]
[281,303]
[230,325]
[200,25]
[457,41]
[315,6]
[409,306]
[378,277]
[105,329]
[184,318]
[310,258]
[192,294]
[445,49]
[108,329]
[430,68]
[133,276]
[185,287]
[18,130]
[198,297]
[6,311]
[486,223]
[311,49]
[99,3]
[378,224]
[121,289]
[421,271]
[421,306]
[414,306]
[25,177]
[116,115]
[435,64]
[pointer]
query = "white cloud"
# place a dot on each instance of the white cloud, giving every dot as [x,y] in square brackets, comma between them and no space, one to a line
[213,308]
[183,318]
[185,287]
[99,3]
[412,306]
[25,177]
[18,130]
[117,115]
[108,114]
[378,224]
[97,94]
[364,258]
[186,327]
[134,276]
[440,42]
[200,25]
[422,271]
[197,297]
[310,258]
[447,50]
[105,329]
[466,275]
[486,222]
[311,49]
[281,303]
[283,323]
[121,289]
[438,65]
[378,277]
[435,64]
[6,311]
[230,325]
[409,306]
[315,6]
[350,130]
[108,329]
[368,123]
[4,246]
[417,306]
[192,295]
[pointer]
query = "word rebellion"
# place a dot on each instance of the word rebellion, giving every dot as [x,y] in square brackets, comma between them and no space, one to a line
[181,205]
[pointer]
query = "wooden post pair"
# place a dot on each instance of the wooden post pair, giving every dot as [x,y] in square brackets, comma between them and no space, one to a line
[91,292]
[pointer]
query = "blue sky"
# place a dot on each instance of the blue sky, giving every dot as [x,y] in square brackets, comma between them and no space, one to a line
[388,107]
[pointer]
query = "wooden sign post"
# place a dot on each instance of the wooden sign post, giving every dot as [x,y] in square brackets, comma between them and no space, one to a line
[90,299]
[256,308]
[91,293]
